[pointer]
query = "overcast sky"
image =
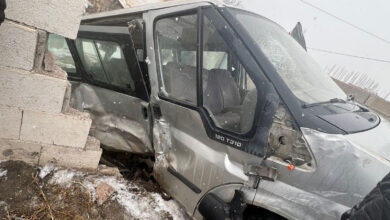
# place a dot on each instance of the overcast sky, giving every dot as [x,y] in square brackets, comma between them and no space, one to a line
[325,32]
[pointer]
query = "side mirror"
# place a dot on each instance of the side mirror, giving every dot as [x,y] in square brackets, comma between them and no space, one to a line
[297,34]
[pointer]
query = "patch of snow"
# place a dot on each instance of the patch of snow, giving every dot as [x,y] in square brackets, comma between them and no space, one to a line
[1,161]
[141,204]
[170,206]
[64,177]
[46,170]
[137,201]
[87,4]
[123,3]
[3,172]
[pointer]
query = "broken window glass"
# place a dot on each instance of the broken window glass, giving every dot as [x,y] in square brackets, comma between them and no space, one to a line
[105,62]
[90,59]
[215,60]
[303,76]
[211,59]
[59,48]
[114,64]
[177,44]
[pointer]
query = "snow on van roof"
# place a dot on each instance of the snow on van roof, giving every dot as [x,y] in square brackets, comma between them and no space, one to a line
[147,7]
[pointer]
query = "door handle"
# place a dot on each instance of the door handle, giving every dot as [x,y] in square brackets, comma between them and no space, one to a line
[156,111]
[145,112]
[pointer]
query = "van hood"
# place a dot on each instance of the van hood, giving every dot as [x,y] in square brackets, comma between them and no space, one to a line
[375,141]
[349,116]
[352,122]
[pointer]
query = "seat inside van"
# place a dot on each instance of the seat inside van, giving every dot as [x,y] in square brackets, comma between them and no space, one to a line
[220,92]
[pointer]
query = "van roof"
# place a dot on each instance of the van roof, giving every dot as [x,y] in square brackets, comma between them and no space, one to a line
[146,7]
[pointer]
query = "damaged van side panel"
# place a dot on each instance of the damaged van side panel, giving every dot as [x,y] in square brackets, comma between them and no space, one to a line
[183,147]
[119,121]
[188,162]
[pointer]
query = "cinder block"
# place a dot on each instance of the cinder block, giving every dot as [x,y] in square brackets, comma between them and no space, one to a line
[10,121]
[58,129]
[55,16]
[20,150]
[92,143]
[40,49]
[17,45]
[25,90]
[70,157]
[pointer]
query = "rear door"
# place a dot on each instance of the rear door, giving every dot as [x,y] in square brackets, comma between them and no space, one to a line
[206,99]
[108,84]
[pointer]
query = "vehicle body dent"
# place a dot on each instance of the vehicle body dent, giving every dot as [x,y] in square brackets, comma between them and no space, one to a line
[117,119]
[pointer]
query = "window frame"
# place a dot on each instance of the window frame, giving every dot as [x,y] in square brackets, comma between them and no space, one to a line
[158,61]
[212,130]
[211,124]
[98,56]
[144,69]
[125,43]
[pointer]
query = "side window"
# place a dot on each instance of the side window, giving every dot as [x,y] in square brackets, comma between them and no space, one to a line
[177,44]
[229,94]
[167,56]
[188,58]
[90,59]
[215,60]
[114,64]
[105,62]
[59,48]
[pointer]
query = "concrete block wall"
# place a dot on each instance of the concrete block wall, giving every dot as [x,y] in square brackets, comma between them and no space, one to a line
[31,90]
[36,123]
[55,16]
[68,130]
[17,47]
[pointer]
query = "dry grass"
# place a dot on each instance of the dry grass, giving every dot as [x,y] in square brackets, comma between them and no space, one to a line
[73,202]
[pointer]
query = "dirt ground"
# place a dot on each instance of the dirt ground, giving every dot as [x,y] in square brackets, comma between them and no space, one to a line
[51,192]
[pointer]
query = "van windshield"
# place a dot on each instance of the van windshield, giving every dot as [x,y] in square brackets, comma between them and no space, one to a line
[300,72]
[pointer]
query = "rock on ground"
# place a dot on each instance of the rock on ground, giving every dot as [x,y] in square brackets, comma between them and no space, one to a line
[103,192]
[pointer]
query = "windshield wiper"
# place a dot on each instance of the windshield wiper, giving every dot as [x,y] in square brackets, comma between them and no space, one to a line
[335,100]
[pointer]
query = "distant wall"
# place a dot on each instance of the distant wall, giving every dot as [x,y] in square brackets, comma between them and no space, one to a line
[366,98]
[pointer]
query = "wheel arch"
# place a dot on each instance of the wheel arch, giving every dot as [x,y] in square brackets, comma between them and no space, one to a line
[226,192]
